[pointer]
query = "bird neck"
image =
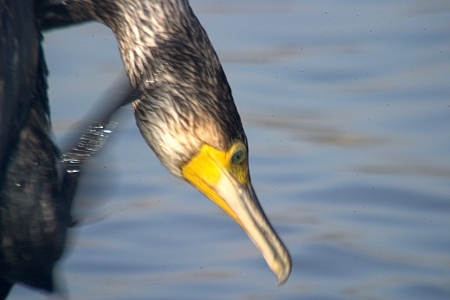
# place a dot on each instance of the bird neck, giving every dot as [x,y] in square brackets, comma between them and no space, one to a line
[141,26]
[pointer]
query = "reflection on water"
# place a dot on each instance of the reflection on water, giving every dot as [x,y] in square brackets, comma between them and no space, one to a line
[347,111]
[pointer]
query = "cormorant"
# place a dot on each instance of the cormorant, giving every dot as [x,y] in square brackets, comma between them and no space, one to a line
[183,105]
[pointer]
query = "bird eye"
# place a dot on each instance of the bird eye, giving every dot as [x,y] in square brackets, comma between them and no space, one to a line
[238,156]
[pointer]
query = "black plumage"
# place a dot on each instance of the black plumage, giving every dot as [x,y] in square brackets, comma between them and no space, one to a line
[33,214]
[37,183]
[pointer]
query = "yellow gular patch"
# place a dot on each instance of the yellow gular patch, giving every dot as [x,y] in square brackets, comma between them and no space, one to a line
[204,171]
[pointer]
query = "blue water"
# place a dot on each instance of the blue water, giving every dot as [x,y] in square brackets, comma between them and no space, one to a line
[347,109]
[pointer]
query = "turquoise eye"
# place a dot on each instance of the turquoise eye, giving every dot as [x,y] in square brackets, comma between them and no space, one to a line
[238,156]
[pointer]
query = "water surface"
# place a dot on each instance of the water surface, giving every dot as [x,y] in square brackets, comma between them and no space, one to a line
[347,109]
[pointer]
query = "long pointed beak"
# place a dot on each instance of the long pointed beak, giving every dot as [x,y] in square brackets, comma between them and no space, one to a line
[208,173]
[241,199]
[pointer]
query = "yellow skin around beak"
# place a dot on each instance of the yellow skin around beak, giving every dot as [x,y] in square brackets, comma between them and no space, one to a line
[223,176]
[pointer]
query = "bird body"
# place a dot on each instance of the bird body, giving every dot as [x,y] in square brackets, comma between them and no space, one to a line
[37,183]
[33,210]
